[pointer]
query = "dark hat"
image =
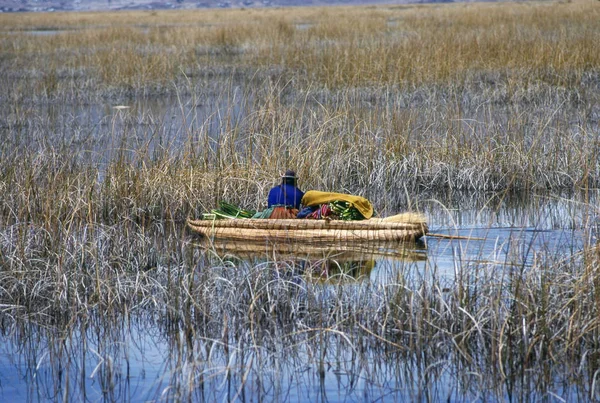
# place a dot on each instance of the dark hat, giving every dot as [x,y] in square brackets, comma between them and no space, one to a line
[289,174]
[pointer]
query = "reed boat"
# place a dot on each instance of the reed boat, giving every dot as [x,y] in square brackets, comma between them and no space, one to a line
[401,227]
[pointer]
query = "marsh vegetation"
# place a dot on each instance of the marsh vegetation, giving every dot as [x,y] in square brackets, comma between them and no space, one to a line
[115,127]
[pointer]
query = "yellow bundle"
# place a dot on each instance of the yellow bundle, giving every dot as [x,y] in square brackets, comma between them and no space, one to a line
[315,197]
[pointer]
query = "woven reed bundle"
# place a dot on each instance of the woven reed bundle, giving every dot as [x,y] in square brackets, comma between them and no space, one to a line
[295,224]
[313,235]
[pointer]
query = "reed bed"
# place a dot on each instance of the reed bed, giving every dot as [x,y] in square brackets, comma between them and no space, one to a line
[487,97]
[395,103]
[491,330]
[143,167]
[518,45]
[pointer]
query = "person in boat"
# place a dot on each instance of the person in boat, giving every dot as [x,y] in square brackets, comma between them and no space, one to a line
[285,198]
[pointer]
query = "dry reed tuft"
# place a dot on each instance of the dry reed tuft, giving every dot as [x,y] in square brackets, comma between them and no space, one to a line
[407,217]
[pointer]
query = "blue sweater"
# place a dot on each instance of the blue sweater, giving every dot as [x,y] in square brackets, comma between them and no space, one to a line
[287,195]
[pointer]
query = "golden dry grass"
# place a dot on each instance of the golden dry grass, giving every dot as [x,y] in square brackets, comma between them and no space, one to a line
[406,45]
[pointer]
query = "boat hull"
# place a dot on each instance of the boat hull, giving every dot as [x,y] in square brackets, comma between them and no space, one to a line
[373,230]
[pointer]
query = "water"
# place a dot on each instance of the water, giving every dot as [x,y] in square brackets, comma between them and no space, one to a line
[510,232]
[36,32]
[99,133]
[139,364]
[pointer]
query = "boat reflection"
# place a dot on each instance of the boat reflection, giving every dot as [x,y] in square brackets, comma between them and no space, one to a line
[319,261]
